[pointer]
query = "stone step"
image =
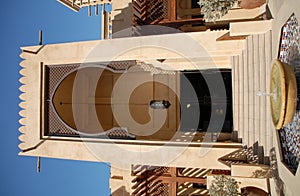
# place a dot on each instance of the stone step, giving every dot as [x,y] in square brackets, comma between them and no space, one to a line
[250,92]
[262,88]
[240,94]
[270,130]
[245,96]
[257,77]
[235,87]
[251,73]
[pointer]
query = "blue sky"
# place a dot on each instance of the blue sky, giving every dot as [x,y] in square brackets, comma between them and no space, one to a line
[21,21]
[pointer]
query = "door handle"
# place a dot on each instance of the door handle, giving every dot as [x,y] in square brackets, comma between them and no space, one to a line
[159,104]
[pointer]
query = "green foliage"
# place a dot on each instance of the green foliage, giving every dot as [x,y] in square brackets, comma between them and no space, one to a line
[222,185]
[215,9]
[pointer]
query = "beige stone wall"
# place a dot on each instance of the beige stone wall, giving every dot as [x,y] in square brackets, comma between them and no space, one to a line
[250,28]
[121,15]
[243,14]
[120,181]
[34,144]
[247,170]
[174,48]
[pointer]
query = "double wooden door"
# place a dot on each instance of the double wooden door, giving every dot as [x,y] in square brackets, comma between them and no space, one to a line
[92,100]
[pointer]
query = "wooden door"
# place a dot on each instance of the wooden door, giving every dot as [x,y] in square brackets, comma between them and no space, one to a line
[100,103]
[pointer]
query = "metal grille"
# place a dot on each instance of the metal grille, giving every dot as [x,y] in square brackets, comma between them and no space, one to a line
[152,180]
[146,180]
[158,10]
[194,172]
[241,156]
[118,132]
[161,170]
[54,74]
[55,126]
[139,169]
[154,70]
[147,12]
[158,189]
[121,65]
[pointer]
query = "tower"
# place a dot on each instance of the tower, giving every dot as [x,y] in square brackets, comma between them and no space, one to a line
[143,103]
[100,7]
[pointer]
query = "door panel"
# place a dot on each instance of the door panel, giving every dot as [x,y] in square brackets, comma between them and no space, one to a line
[104,86]
[105,116]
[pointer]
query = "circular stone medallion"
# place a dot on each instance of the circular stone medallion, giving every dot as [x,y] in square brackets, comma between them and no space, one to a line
[284,94]
[278,91]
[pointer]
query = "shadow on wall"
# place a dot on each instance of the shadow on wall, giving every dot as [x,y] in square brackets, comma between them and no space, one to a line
[120,191]
[253,191]
[247,155]
[123,20]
